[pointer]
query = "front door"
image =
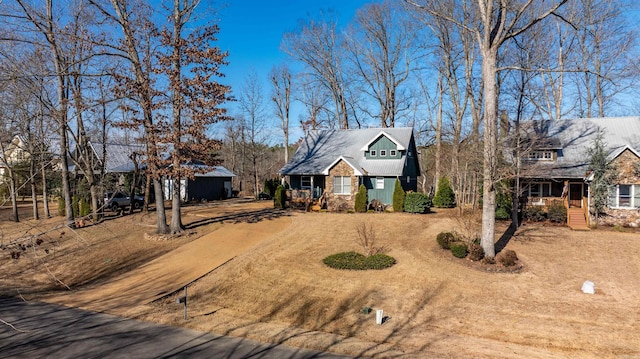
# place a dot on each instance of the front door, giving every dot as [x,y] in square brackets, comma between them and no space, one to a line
[575,195]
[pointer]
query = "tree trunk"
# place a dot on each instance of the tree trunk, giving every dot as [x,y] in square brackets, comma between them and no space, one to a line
[147,192]
[14,196]
[489,60]
[176,220]
[161,217]
[45,194]
[437,175]
[32,181]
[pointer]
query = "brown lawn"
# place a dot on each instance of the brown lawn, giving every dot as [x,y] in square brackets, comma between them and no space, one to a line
[437,306]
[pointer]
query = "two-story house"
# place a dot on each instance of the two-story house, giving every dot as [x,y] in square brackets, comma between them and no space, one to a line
[555,166]
[334,163]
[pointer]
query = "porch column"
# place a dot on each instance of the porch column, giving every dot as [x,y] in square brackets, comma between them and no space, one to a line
[565,193]
[313,193]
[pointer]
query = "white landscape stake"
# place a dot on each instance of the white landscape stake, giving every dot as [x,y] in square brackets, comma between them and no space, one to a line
[379,316]
[588,287]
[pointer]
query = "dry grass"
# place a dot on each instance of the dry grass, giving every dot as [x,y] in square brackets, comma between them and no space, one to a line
[436,306]
[281,292]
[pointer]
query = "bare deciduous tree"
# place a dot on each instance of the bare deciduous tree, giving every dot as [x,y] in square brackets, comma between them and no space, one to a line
[319,46]
[280,79]
[382,50]
[493,23]
[253,108]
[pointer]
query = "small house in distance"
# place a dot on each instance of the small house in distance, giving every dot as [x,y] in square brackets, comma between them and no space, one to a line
[215,184]
[332,164]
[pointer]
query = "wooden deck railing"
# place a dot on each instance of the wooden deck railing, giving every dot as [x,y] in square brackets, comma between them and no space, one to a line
[585,207]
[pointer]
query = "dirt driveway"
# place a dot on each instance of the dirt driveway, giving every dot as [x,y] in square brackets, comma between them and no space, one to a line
[185,264]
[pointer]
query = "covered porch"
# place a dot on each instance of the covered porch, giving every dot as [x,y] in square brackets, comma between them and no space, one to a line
[573,194]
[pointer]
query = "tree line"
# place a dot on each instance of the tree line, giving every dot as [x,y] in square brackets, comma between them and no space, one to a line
[458,71]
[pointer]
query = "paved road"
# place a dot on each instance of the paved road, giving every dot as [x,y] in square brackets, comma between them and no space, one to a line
[51,331]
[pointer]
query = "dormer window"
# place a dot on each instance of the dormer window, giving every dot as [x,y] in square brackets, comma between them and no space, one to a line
[383,153]
[540,156]
[392,153]
[372,153]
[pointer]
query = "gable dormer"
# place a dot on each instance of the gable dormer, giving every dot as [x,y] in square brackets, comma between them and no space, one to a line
[543,149]
[383,147]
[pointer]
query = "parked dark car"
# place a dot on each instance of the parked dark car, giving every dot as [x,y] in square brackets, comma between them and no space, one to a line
[120,200]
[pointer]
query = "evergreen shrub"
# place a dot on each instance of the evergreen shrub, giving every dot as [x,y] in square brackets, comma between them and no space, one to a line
[534,213]
[502,214]
[280,197]
[444,239]
[75,205]
[444,198]
[61,207]
[458,249]
[270,187]
[357,261]
[557,213]
[361,199]
[416,202]
[398,197]
[83,207]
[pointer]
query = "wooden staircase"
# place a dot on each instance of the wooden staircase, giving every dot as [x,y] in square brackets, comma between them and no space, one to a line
[576,219]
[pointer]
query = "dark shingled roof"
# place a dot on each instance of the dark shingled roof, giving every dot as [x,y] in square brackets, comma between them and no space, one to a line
[322,148]
[576,136]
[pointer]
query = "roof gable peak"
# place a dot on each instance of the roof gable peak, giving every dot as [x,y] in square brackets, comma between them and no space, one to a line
[386,134]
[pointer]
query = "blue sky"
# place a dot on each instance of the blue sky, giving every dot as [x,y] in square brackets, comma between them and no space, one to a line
[251,31]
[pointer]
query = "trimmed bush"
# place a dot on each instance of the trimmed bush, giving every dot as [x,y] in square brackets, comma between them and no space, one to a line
[398,197]
[361,199]
[557,213]
[445,198]
[458,249]
[357,261]
[379,261]
[476,252]
[280,197]
[534,213]
[444,239]
[507,258]
[416,202]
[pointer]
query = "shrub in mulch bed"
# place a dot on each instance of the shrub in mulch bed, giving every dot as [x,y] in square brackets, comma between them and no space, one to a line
[507,258]
[357,261]
[444,239]
[458,249]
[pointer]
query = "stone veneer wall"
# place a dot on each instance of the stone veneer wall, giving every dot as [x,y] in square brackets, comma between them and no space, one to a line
[628,165]
[337,202]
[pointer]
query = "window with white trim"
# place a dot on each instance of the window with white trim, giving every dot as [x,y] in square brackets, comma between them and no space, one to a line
[383,153]
[392,153]
[540,156]
[379,182]
[372,153]
[341,185]
[624,196]
[539,189]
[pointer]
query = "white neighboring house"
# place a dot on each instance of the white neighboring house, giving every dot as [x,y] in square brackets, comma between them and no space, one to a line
[14,153]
